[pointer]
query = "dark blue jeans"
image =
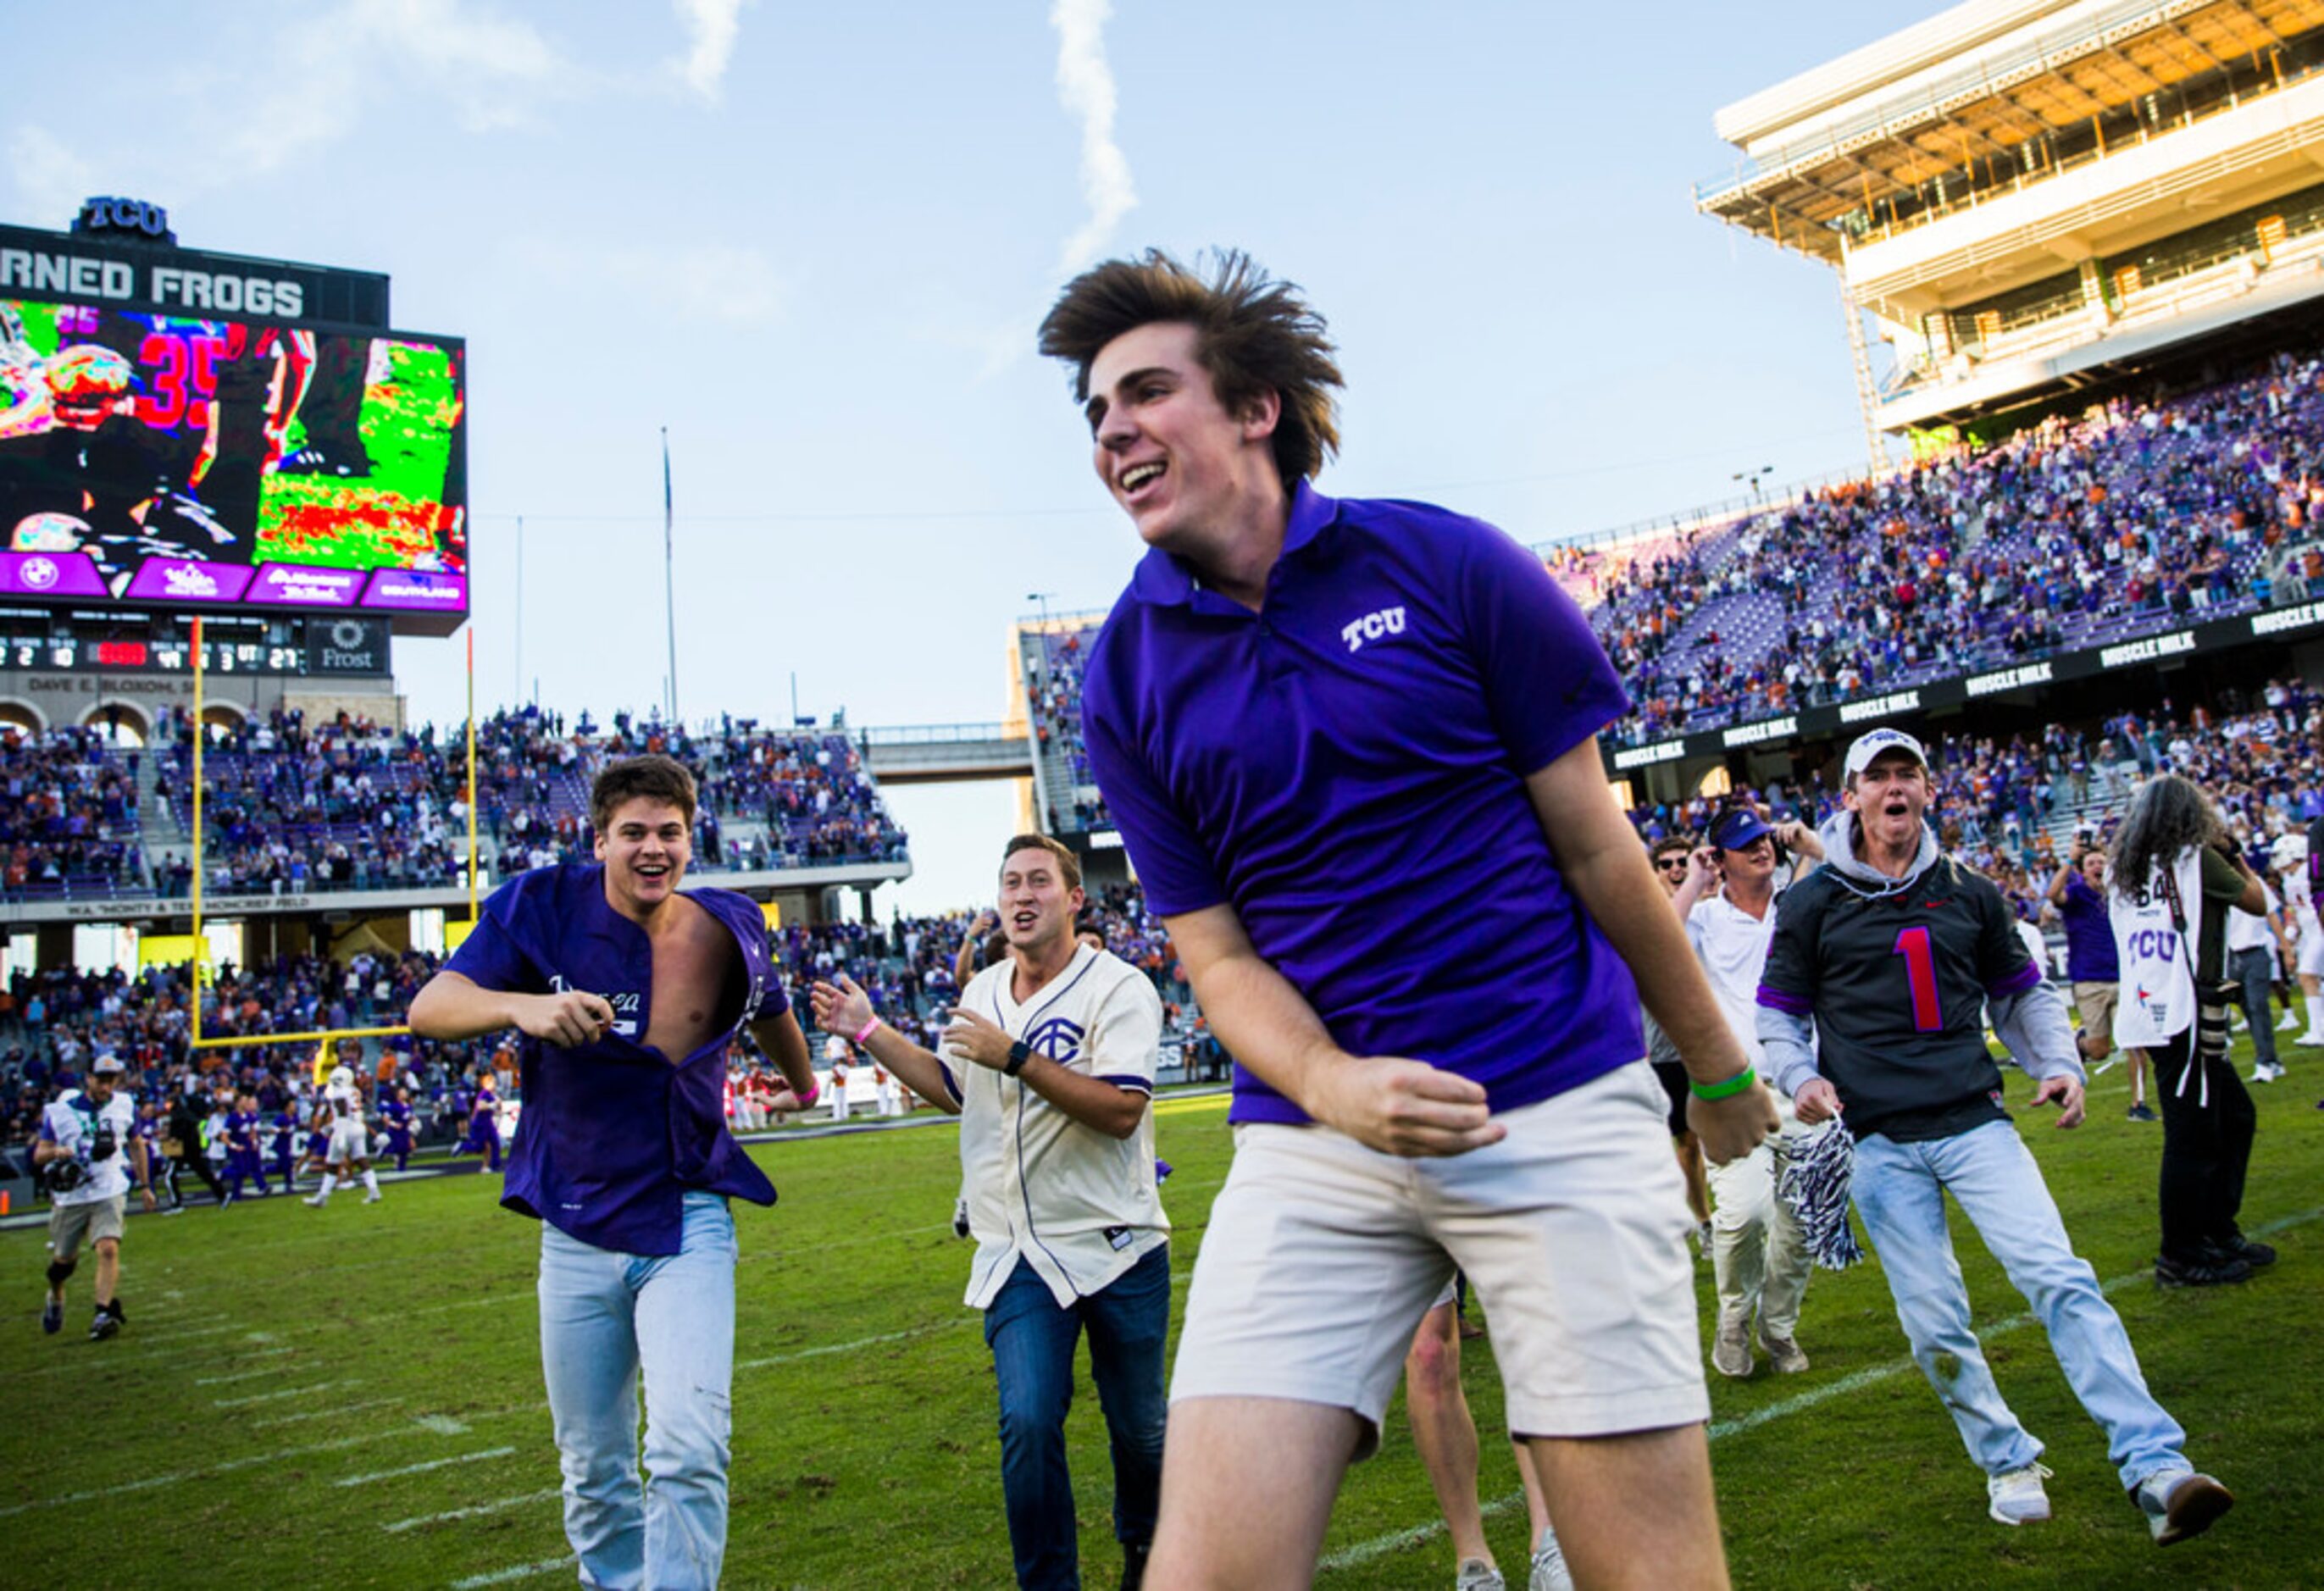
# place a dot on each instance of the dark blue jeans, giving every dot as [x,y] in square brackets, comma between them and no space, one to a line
[1032,1342]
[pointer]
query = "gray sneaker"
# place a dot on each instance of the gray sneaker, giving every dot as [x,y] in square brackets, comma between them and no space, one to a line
[1477,1574]
[2015,1497]
[2179,1503]
[1549,1570]
[1731,1351]
[1784,1353]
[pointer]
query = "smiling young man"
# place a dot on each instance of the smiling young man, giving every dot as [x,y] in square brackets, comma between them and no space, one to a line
[1050,1063]
[1352,750]
[626,992]
[1872,1008]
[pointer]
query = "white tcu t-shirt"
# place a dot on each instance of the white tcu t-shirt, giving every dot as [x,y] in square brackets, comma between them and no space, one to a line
[2158,965]
[69,1119]
[1078,1205]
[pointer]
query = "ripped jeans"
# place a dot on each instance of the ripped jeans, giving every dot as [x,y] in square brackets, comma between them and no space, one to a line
[604,1318]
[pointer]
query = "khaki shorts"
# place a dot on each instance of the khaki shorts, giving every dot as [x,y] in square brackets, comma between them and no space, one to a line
[1321,1256]
[71,1223]
[2096,1002]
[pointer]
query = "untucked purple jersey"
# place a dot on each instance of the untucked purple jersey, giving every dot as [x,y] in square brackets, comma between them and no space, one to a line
[616,1133]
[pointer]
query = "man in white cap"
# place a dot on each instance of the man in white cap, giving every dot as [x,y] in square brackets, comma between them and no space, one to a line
[87,1143]
[1871,1008]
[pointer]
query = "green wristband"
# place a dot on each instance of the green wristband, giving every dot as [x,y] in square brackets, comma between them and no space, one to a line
[1723,1090]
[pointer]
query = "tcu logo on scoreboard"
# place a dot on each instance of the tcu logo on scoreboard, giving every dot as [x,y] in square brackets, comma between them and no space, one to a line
[104,214]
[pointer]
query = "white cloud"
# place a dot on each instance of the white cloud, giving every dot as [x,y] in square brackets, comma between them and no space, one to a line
[325,74]
[50,179]
[711,28]
[1085,88]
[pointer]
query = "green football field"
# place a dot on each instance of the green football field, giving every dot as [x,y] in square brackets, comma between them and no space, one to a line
[351,1396]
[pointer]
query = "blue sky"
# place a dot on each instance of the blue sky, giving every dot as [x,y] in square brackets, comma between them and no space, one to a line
[814,240]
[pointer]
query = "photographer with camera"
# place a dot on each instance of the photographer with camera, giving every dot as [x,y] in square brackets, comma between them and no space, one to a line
[88,1136]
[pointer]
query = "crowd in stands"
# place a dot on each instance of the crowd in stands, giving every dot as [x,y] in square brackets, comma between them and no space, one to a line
[290,807]
[68,814]
[2016,809]
[2136,516]
[1053,693]
[53,1023]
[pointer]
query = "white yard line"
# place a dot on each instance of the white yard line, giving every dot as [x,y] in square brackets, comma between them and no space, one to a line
[380,1475]
[331,1414]
[477,1512]
[1378,1546]
[861,1342]
[272,1397]
[523,1571]
[246,1375]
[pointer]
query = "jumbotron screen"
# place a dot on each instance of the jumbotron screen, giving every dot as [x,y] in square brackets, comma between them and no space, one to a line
[161,460]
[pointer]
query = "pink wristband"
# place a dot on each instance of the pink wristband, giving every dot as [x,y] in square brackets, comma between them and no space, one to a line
[868,1029]
[814,1093]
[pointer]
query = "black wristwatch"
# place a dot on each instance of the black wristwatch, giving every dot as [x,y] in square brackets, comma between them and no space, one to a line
[1017,1055]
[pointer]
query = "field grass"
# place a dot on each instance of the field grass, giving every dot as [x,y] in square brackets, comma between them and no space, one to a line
[352,1397]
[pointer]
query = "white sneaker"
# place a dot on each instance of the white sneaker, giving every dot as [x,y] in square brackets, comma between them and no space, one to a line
[2017,1498]
[1477,1574]
[2290,1020]
[1731,1351]
[2267,1071]
[1549,1570]
[373,1197]
[313,1201]
[1784,1353]
[2309,1040]
[2179,1503]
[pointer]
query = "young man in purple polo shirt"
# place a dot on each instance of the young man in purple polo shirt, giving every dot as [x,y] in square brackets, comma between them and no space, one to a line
[626,992]
[1352,750]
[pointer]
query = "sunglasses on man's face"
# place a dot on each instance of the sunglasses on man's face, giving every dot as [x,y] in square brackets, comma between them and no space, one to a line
[1672,863]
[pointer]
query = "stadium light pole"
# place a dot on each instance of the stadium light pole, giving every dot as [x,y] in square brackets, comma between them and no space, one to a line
[1041,597]
[1755,477]
[517,698]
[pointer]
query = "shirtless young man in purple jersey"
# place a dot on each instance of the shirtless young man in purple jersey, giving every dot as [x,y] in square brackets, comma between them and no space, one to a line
[626,992]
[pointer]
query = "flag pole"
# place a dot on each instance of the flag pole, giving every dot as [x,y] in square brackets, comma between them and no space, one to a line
[668,575]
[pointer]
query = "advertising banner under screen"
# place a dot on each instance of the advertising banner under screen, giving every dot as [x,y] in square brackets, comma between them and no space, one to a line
[168,460]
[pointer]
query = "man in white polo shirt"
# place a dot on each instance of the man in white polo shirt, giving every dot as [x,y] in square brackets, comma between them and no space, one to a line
[1759,1255]
[1050,1063]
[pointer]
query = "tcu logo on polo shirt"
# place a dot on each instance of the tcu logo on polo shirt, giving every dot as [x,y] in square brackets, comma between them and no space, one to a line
[1372,627]
[1056,1038]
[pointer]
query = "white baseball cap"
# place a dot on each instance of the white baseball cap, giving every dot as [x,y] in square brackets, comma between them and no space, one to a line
[1879,742]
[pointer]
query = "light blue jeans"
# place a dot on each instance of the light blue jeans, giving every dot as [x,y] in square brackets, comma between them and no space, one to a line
[1900,1190]
[605,1318]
